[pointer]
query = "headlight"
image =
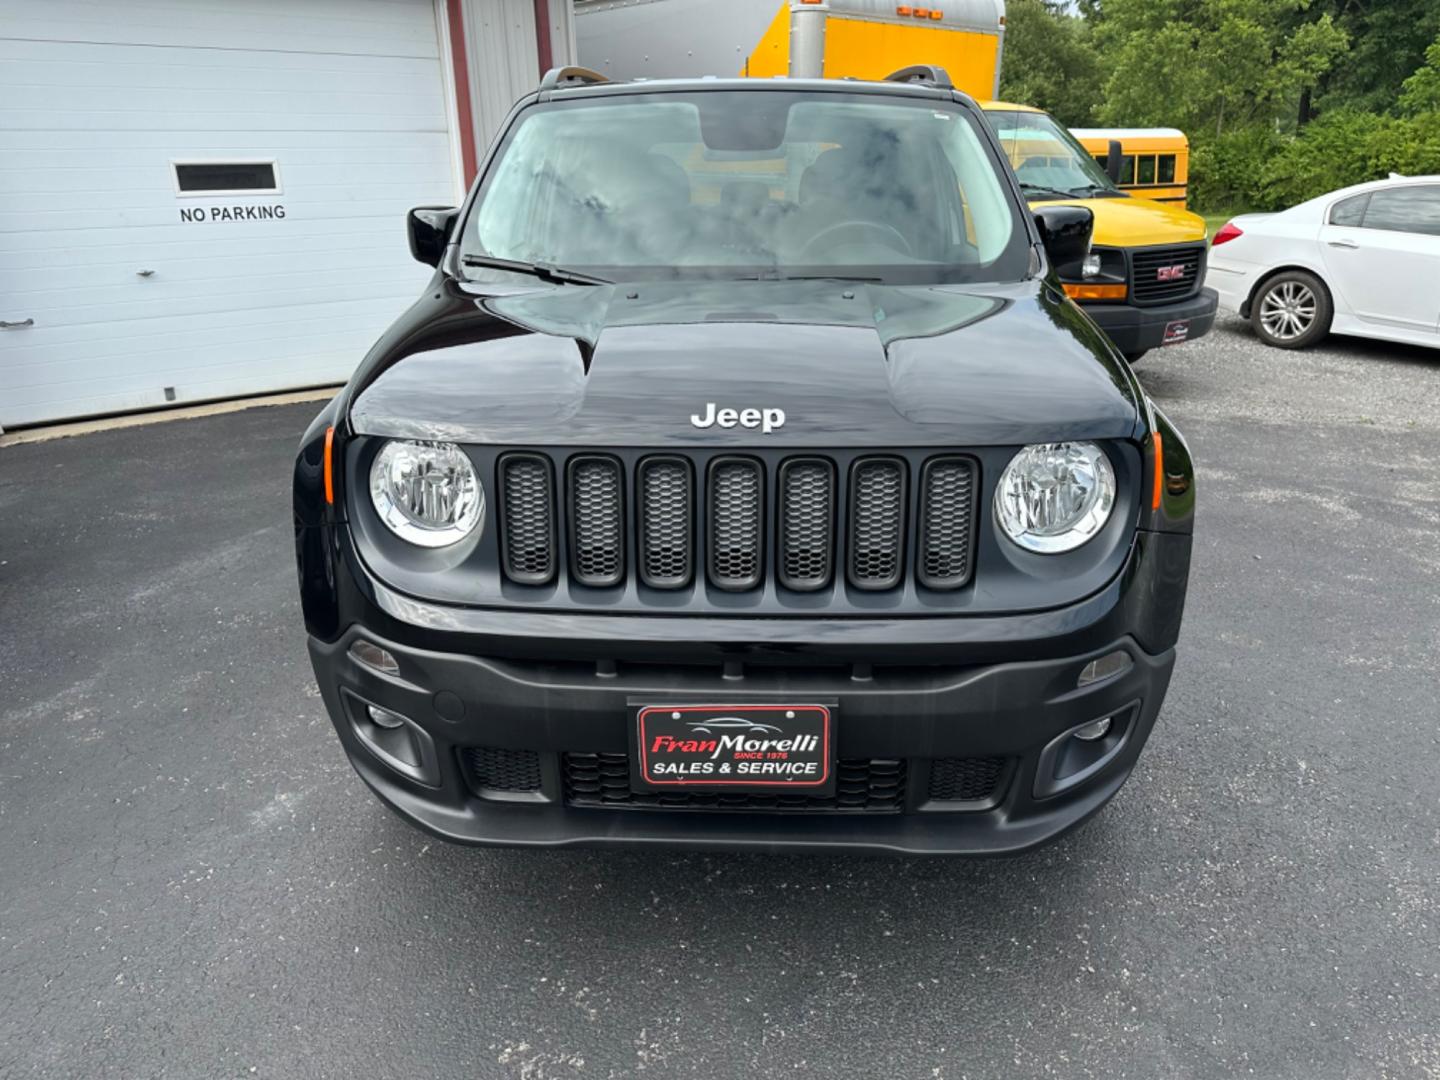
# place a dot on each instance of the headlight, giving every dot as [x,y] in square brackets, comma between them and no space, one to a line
[427,492]
[1053,497]
[1090,267]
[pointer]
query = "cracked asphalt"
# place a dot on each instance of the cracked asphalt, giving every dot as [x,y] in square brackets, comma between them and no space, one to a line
[194,884]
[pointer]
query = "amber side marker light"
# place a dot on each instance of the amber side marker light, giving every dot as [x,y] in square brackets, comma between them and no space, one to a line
[1095,292]
[1159,470]
[329,463]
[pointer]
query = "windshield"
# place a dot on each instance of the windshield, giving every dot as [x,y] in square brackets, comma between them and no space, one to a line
[750,183]
[1046,156]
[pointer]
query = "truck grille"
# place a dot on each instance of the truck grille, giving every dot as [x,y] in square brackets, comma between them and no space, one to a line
[1170,273]
[741,520]
[862,785]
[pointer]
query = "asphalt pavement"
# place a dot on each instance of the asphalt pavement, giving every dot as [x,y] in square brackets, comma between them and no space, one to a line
[193,883]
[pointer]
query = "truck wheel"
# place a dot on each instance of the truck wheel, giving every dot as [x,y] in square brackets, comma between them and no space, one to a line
[1292,310]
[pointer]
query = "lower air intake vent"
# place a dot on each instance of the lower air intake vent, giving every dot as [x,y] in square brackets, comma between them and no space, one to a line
[959,779]
[877,523]
[527,513]
[491,768]
[736,514]
[666,509]
[863,785]
[597,538]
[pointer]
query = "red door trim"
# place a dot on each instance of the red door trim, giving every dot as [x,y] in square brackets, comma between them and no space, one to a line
[460,67]
[542,35]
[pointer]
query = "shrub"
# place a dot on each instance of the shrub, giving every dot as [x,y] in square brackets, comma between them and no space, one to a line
[1257,168]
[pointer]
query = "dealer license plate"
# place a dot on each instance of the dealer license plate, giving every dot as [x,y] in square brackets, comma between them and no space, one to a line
[1176,332]
[768,749]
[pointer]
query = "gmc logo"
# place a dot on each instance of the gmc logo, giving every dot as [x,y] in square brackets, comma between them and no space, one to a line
[1170,273]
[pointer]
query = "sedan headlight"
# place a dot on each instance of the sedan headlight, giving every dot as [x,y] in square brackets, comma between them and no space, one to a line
[1053,497]
[427,492]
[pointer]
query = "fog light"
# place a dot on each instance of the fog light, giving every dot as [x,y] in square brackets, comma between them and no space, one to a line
[375,657]
[1108,665]
[1089,733]
[389,720]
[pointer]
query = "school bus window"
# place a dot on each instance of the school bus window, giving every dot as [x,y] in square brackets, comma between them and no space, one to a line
[1127,169]
[1167,168]
[1147,169]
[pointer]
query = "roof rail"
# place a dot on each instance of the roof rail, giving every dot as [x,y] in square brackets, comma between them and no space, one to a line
[562,76]
[922,73]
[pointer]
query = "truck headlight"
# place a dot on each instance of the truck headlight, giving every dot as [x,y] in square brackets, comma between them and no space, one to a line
[1053,497]
[427,492]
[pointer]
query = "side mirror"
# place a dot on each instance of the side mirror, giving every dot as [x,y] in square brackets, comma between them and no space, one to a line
[429,229]
[1114,159]
[1065,231]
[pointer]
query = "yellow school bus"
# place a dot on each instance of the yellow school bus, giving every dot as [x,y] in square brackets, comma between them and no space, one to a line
[1155,162]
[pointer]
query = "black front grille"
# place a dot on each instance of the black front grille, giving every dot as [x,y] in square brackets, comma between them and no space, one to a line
[807,523]
[527,502]
[492,768]
[597,521]
[959,779]
[667,510]
[877,523]
[737,522]
[1171,273]
[947,503]
[863,785]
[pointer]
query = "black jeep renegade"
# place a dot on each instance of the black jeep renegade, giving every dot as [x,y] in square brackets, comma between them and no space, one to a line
[744,478]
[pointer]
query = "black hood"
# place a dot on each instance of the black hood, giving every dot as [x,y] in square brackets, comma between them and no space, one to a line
[850,365]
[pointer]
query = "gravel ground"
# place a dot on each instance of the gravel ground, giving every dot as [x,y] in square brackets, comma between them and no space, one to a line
[194,884]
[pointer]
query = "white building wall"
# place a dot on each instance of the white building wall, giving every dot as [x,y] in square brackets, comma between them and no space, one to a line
[97,100]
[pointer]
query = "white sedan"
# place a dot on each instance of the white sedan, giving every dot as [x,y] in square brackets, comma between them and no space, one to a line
[1364,260]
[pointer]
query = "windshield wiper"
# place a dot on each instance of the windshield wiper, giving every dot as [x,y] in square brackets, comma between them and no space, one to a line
[557,274]
[1090,191]
[1041,190]
[819,277]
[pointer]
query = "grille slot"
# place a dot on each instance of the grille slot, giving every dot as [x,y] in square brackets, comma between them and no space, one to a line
[877,522]
[1146,266]
[527,534]
[597,521]
[736,513]
[947,500]
[958,779]
[863,785]
[492,768]
[807,523]
[666,510]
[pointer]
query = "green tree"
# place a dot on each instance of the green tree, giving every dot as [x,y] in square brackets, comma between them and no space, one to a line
[1209,65]
[1421,91]
[1388,39]
[1049,61]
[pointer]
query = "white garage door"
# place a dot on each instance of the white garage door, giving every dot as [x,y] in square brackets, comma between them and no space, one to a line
[205,198]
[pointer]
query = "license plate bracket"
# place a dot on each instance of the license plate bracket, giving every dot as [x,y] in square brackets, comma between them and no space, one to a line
[771,749]
[1176,332]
